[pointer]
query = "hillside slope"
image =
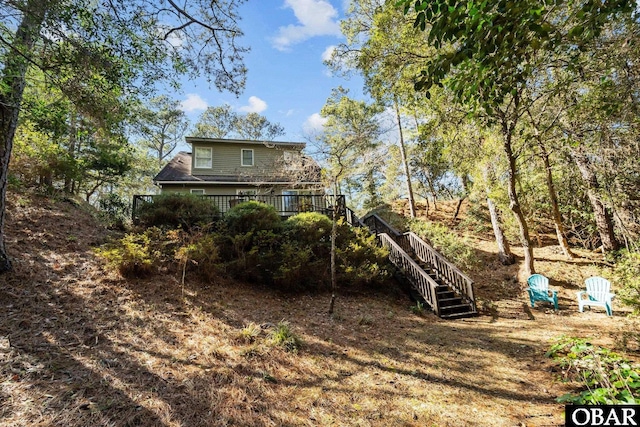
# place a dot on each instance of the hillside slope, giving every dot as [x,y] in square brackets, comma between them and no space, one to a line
[80,346]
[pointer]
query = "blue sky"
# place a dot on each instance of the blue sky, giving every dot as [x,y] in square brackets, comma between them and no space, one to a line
[287,81]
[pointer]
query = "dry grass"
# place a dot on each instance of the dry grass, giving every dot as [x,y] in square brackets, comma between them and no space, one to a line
[80,347]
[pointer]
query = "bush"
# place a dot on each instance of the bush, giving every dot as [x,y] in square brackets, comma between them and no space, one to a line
[175,210]
[310,230]
[361,260]
[252,216]
[203,252]
[133,256]
[604,376]
[453,247]
[282,336]
[626,275]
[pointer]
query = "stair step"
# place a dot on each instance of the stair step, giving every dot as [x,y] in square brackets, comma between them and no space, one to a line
[457,308]
[471,313]
[451,302]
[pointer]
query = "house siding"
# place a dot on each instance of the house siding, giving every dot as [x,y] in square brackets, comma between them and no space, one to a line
[227,160]
[218,190]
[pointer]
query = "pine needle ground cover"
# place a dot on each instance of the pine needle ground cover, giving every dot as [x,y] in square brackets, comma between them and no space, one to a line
[79,346]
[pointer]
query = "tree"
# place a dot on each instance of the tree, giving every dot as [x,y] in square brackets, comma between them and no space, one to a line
[385,57]
[162,126]
[348,139]
[216,122]
[223,122]
[487,53]
[89,49]
[256,127]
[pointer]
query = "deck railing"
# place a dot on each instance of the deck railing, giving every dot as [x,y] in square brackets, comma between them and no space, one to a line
[422,282]
[285,205]
[378,225]
[445,271]
[411,243]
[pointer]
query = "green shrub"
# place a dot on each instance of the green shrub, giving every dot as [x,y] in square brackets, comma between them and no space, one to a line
[202,252]
[361,260]
[282,336]
[604,376]
[626,275]
[453,247]
[133,255]
[298,269]
[310,230]
[174,210]
[252,216]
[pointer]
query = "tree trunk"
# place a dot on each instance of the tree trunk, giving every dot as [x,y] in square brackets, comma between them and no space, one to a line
[465,185]
[334,235]
[514,204]
[68,177]
[603,217]
[405,164]
[458,206]
[555,208]
[12,83]
[504,250]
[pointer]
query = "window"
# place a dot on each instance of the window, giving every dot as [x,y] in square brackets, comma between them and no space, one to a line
[197,191]
[246,157]
[203,158]
[246,192]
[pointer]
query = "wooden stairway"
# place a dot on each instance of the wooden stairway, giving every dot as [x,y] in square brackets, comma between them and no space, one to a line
[433,279]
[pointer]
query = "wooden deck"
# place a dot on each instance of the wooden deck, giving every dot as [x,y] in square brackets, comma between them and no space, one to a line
[287,205]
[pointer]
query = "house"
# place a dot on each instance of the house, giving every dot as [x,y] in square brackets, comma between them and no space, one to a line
[232,170]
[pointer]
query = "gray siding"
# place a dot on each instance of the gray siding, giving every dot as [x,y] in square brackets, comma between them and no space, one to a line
[227,160]
[220,190]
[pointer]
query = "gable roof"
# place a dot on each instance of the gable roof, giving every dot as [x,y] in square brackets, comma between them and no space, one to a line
[178,169]
[270,144]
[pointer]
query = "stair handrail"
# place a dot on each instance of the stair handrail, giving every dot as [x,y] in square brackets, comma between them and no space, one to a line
[378,225]
[424,284]
[444,269]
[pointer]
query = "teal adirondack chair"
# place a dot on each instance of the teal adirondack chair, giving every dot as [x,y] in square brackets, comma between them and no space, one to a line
[539,290]
[598,293]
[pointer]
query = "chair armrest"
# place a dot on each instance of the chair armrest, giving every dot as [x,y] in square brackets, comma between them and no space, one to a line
[580,294]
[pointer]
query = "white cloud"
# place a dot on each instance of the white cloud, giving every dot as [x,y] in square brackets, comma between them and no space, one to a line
[328,53]
[193,103]
[315,18]
[256,105]
[314,123]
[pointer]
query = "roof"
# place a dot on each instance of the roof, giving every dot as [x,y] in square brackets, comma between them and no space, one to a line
[298,145]
[178,170]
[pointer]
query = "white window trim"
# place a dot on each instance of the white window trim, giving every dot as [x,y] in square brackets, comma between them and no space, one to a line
[195,158]
[198,191]
[242,150]
[247,192]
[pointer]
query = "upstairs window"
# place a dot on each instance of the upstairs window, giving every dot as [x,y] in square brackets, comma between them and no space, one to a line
[246,157]
[204,158]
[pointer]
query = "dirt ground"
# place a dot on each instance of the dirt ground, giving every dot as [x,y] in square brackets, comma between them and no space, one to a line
[80,346]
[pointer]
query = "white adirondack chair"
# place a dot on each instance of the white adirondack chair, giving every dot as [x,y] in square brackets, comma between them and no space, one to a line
[598,293]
